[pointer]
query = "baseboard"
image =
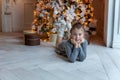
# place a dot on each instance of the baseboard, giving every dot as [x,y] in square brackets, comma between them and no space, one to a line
[116,45]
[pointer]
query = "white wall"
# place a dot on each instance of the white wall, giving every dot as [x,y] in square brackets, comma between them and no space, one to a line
[0,15]
[20,18]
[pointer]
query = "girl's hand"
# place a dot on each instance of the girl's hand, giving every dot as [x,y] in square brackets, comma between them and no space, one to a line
[75,43]
[80,42]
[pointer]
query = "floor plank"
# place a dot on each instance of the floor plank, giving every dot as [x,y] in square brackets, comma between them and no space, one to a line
[21,62]
[110,68]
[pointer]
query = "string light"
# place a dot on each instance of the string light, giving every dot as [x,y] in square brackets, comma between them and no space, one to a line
[42,13]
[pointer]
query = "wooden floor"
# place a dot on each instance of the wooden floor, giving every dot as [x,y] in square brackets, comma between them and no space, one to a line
[20,62]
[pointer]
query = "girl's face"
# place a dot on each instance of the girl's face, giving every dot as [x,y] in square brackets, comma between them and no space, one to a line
[77,34]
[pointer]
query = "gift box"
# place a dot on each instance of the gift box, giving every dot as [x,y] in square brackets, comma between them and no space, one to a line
[53,37]
[31,38]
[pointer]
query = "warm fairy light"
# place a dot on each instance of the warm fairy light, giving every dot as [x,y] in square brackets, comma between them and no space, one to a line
[86,1]
[77,1]
[35,20]
[90,20]
[35,13]
[85,24]
[92,14]
[32,30]
[81,2]
[45,13]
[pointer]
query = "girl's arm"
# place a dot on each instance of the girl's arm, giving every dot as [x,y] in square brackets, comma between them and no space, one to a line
[72,52]
[83,51]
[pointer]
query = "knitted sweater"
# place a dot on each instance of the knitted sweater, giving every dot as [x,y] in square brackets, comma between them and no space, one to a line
[73,53]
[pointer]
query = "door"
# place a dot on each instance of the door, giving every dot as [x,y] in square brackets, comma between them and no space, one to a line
[17,15]
[116,32]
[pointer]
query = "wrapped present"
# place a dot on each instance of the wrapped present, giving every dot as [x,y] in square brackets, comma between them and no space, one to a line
[53,37]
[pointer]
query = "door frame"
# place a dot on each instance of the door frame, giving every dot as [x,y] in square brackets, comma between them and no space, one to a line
[109,22]
[112,26]
[0,15]
[116,32]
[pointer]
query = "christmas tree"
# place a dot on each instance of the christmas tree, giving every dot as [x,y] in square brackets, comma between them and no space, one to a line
[50,14]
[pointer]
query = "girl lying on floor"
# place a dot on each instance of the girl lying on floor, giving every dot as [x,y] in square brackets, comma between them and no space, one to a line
[75,48]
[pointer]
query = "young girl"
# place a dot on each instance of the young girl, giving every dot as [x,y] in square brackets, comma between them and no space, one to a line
[75,48]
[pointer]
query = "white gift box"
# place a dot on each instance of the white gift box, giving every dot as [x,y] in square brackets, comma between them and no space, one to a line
[53,37]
